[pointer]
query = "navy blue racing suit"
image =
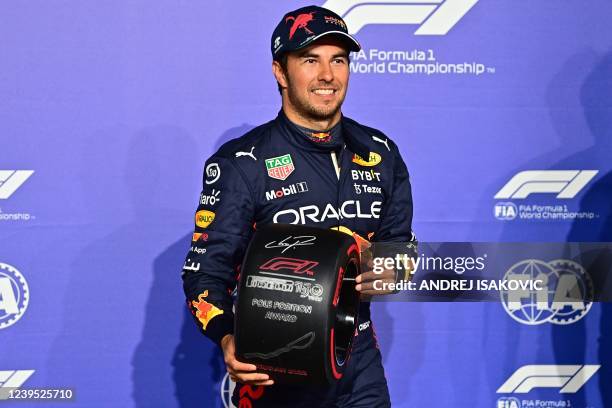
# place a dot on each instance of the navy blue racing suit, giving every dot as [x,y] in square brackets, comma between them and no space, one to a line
[275,174]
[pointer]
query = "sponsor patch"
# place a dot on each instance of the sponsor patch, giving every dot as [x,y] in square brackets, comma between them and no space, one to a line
[373,160]
[205,311]
[294,188]
[280,167]
[204,218]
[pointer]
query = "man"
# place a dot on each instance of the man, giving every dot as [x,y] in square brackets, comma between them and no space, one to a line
[311,165]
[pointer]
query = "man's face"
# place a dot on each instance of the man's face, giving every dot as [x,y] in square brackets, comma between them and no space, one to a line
[316,79]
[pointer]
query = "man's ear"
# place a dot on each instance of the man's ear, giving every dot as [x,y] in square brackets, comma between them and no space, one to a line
[279,74]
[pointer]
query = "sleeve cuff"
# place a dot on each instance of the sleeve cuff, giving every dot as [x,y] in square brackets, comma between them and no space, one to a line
[219,327]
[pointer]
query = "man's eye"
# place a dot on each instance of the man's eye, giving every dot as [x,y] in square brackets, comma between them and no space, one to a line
[310,60]
[339,61]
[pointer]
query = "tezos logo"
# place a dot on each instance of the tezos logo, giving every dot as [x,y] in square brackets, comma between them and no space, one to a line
[295,188]
[436,17]
[566,297]
[14,295]
[11,180]
[213,172]
[210,199]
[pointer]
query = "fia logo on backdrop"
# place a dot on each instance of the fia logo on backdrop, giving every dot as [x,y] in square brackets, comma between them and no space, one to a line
[14,295]
[566,298]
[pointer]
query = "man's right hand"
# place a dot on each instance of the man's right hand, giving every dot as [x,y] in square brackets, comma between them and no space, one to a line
[241,372]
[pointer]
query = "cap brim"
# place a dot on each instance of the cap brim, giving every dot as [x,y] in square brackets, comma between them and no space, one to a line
[349,39]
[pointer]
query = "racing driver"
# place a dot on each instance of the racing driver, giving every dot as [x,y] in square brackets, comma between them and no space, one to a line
[310,165]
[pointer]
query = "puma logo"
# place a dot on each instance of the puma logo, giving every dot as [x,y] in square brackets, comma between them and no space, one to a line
[250,154]
[385,142]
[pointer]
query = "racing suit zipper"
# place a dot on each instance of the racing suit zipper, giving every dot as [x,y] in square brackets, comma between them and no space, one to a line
[340,175]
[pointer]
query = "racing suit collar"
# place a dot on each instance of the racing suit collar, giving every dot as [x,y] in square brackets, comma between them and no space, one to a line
[295,136]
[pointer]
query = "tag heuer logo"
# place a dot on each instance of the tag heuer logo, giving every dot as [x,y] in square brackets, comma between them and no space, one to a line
[280,167]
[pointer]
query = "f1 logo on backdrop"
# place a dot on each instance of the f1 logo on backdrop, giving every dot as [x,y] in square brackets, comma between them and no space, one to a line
[566,183]
[568,378]
[11,180]
[435,17]
[11,380]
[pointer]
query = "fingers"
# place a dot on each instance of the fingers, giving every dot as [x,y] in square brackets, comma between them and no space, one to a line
[371,276]
[370,283]
[236,366]
[377,287]
[249,377]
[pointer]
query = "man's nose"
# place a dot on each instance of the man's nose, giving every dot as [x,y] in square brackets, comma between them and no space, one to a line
[325,73]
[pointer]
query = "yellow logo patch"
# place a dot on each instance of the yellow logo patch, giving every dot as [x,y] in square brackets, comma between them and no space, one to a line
[373,160]
[204,218]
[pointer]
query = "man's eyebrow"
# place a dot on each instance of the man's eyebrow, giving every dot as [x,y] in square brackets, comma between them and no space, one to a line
[308,54]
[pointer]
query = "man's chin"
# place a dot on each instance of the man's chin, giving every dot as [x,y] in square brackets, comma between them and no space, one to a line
[324,113]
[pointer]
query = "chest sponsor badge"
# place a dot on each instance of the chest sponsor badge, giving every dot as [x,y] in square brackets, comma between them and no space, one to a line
[280,167]
[373,160]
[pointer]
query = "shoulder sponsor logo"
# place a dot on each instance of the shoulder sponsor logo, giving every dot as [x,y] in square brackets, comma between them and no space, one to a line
[373,160]
[435,17]
[204,218]
[312,213]
[213,172]
[14,295]
[379,140]
[569,378]
[210,199]
[566,183]
[294,188]
[248,154]
[11,180]
[280,167]
[203,310]
[11,380]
